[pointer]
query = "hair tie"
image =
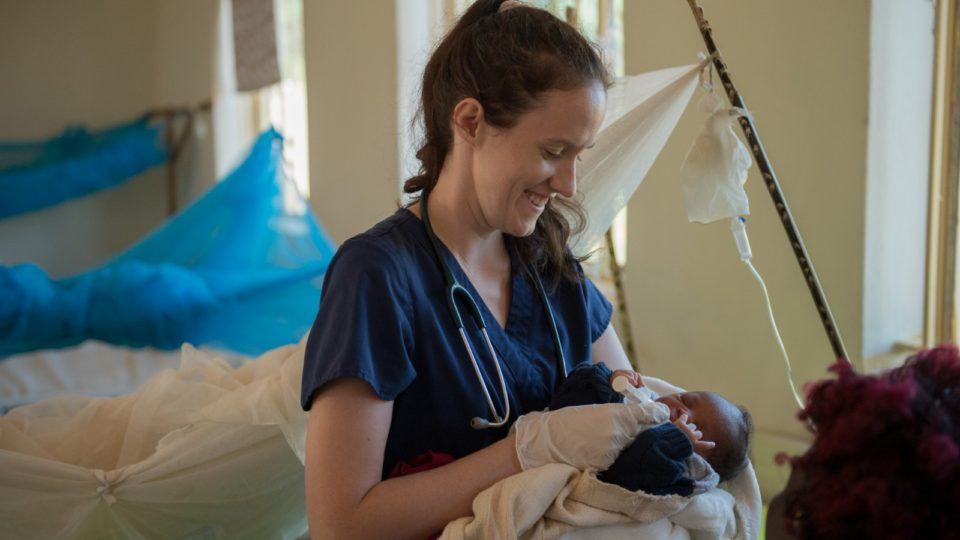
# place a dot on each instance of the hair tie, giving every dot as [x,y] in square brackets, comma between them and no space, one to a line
[509,4]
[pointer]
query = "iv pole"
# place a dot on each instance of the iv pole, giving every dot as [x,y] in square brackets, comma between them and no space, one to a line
[773,185]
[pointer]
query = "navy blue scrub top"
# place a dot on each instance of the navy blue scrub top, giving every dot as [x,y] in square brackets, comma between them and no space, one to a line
[383,318]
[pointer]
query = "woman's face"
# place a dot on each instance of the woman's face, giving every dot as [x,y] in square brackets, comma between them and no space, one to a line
[516,171]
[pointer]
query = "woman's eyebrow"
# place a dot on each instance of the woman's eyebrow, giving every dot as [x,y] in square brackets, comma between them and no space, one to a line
[571,144]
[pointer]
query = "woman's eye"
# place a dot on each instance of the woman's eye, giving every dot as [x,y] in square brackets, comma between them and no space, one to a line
[553,155]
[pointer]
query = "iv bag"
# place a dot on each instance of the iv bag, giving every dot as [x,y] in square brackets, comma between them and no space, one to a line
[716,166]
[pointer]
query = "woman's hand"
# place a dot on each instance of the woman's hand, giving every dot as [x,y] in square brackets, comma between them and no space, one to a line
[585,437]
[634,377]
[695,435]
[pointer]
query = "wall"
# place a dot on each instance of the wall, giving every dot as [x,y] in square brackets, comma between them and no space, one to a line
[352,81]
[698,316]
[97,63]
[93,63]
[186,32]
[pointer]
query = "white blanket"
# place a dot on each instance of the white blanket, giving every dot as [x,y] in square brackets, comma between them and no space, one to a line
[559,501]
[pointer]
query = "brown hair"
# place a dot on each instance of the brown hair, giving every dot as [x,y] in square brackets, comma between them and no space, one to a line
[507,60]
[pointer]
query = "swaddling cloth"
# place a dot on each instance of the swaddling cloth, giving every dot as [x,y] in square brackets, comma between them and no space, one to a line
[559,501]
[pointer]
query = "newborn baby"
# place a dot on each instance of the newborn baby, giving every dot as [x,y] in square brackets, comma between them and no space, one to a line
[657,461]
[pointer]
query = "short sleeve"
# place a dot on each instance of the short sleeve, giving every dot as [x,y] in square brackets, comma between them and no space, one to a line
[363,328]
[599,309]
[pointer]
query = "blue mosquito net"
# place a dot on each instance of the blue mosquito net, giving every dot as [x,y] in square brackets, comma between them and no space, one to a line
[239,269]
[35,175]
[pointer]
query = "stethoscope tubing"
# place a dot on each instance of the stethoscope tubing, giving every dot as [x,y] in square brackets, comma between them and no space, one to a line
[455,289]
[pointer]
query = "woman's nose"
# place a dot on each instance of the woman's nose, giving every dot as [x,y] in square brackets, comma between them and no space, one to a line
[564,181]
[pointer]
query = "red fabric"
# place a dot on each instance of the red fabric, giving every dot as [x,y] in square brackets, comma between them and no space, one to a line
[423,462]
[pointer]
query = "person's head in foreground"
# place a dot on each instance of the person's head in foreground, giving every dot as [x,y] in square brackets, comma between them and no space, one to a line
[708,417]
[885,459]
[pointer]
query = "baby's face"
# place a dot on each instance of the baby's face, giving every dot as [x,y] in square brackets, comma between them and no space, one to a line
[714,416]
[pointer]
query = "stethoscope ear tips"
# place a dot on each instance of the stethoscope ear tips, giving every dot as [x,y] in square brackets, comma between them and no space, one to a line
[479,423]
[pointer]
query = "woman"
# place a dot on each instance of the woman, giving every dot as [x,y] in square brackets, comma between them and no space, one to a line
[510,98]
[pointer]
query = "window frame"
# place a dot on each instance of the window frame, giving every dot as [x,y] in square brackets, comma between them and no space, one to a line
[940,305]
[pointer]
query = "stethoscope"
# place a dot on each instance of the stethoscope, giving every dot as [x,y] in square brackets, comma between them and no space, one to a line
[455,289]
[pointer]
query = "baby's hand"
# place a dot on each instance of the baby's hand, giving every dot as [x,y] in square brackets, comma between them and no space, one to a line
[635,379]
[696,436]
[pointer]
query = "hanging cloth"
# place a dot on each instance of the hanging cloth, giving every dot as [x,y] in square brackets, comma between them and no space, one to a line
[642,111]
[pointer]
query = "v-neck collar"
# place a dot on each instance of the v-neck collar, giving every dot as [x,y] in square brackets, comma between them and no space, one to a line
[516,286]
[521,295]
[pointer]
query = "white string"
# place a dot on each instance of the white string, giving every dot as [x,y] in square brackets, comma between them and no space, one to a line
[776,332]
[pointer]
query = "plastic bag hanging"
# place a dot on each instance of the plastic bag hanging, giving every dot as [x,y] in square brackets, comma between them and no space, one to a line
[716,166]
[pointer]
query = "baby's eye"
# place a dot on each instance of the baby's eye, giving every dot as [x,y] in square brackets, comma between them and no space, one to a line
[553,155]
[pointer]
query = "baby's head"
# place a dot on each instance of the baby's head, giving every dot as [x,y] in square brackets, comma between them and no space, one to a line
[720,421]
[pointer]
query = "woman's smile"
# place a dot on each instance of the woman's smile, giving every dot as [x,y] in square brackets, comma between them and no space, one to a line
[537,200]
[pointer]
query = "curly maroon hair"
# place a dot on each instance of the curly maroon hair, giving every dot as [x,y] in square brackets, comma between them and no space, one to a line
[885,461]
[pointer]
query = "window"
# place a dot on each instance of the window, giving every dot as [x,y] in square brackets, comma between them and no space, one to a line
[284,104]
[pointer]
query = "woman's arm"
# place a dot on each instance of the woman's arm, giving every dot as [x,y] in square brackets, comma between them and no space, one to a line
[346,436]
[607,349]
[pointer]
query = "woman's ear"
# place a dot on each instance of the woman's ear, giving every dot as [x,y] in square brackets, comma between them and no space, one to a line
[467,117]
